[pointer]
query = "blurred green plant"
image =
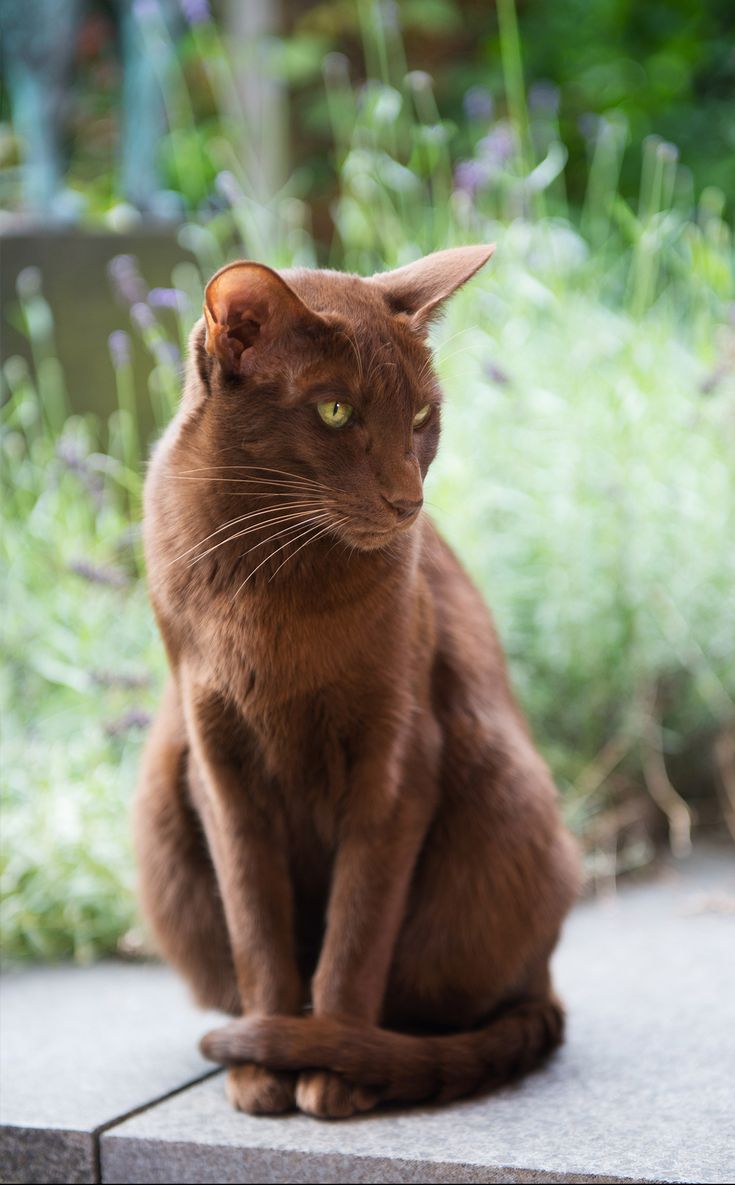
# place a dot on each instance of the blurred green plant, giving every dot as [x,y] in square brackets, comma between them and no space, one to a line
[585,477]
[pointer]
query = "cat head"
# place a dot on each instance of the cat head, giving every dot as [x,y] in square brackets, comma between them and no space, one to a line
[328,377]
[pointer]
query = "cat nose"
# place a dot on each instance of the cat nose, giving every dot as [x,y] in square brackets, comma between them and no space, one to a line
[404,508]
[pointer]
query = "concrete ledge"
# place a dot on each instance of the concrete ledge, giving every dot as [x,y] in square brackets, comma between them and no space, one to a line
[80,1048]
[34,1154]
[642,1091]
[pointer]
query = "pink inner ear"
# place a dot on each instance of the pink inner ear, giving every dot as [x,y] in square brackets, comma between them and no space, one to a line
[245,332]
[236,308]
[247,303]
[232,308]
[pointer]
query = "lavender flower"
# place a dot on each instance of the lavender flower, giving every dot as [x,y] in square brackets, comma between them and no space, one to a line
[336,67]
[196,11]
[99,573]
[70,454]
[419,80]
[167,353]
[471,176]
[543,98]
[390,16]
[478,103]
[125,278]
[226,184]
[133,718]
[168,298]
[119,346]
[142,316]
[145,10]
[499,146]
[127,680]
[496,373]
[28,283]
[590,125]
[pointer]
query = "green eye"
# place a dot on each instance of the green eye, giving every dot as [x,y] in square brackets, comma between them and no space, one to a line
[335,415]
[422,416]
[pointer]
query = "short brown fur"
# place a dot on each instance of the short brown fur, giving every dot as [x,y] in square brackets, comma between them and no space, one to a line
[340,808]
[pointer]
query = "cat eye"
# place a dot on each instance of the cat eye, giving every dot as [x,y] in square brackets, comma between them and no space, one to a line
[422,416]
[334,415]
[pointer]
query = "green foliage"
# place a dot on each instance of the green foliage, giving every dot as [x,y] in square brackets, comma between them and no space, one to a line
[586,479]
[81,660]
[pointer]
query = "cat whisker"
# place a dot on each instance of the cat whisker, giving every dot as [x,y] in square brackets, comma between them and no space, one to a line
[467,329]
[243,518]
[299,477]
[425,370]
[260,526]
[273,485]
[316,518]
[269,557]
[235,492]
[330,526]
[446,357]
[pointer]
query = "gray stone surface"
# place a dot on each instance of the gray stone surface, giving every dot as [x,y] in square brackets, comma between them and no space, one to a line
[642,1091]
[79,1049]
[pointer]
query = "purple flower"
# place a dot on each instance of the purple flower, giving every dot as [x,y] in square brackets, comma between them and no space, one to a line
[389,16]
[99,573]
[471,176]
[226,184]
[499,146]
[167,353]
[478,103]
[126,279]
[543,98]
[133,718]
[196,11]
[168,298]
[119,346]
[336,67]
[144,10]
[28,283]
[420,80]
[496,373]
[142,316]
[589,125]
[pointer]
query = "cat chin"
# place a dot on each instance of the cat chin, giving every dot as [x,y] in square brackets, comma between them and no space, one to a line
[372,540]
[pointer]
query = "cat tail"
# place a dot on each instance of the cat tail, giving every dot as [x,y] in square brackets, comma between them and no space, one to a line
[405,1068]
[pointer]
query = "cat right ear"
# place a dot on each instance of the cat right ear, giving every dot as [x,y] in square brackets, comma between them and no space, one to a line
[419,290]
[246,307]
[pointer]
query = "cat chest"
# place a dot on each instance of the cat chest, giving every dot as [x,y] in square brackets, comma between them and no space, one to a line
[303,748]
[268,664]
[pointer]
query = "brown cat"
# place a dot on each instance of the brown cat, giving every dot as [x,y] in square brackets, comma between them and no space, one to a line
[340,808]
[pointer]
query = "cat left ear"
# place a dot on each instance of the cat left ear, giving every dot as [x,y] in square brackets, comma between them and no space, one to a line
[419,289]
[246,306]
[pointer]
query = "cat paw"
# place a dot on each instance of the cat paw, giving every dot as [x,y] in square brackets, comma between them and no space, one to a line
[259,1091]
[326,1095]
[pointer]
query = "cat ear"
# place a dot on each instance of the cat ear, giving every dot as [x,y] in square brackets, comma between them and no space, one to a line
[419,289]
[246,306]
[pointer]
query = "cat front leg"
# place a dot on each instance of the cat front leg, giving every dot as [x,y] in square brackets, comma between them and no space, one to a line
[248,849]
[391,802]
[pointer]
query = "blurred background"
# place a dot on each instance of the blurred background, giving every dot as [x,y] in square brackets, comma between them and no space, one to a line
[586,469]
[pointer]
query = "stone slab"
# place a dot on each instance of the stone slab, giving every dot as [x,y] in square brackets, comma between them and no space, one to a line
[79,1049]
[642,1091]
